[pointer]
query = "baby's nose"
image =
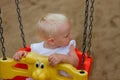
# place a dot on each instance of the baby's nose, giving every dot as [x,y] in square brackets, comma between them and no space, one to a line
[70,36]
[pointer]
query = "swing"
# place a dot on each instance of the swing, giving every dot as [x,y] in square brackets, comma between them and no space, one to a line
[36,66]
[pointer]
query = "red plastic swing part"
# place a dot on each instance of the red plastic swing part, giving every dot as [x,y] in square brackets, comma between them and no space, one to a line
[87,61]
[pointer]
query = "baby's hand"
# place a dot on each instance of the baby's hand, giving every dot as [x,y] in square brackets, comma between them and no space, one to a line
[54,59]
[18,55]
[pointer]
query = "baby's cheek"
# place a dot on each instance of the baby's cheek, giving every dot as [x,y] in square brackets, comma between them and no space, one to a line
[66,43]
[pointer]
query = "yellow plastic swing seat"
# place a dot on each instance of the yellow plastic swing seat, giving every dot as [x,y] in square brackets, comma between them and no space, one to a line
[39,69]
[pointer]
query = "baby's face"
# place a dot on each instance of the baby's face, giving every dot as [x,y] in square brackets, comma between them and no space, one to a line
[64,35]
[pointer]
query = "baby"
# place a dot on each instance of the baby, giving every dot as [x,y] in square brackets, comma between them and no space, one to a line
[55,31]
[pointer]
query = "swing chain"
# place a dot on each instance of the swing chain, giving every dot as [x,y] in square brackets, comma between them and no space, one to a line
[90,28]
[20,22]
[2,38]
[85,34]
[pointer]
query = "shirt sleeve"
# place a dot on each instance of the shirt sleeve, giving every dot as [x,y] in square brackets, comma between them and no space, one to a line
[72,42]
[33,47]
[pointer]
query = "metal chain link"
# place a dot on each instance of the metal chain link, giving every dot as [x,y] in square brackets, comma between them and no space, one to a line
[2,39]
[20,22]
[90,28]
[85,34]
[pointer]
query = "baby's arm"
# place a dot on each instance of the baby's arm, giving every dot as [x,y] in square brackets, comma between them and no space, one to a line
[21,53]
[18,55]
[71,58]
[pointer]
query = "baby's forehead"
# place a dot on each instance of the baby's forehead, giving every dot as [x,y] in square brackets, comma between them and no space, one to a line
[64,29]
[65,26]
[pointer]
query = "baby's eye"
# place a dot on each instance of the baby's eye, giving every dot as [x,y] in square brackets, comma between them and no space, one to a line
[42,65]
[37,64]
[67,35]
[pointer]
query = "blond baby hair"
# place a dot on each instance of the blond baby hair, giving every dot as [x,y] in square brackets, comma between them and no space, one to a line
[50,23]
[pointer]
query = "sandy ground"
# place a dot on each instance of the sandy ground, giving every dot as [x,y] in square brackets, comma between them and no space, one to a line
[106,34]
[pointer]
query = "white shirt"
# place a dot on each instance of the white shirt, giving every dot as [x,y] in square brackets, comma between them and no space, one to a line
[39,48]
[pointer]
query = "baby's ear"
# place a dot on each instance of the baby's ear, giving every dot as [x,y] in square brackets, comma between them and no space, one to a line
[51,40]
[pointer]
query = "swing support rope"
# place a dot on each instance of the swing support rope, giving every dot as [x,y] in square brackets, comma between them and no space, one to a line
[2,38]
[85,31]
[90,28]
[20,23]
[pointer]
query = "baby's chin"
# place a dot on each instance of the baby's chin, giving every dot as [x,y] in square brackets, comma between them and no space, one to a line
[62,46]
[65,45]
